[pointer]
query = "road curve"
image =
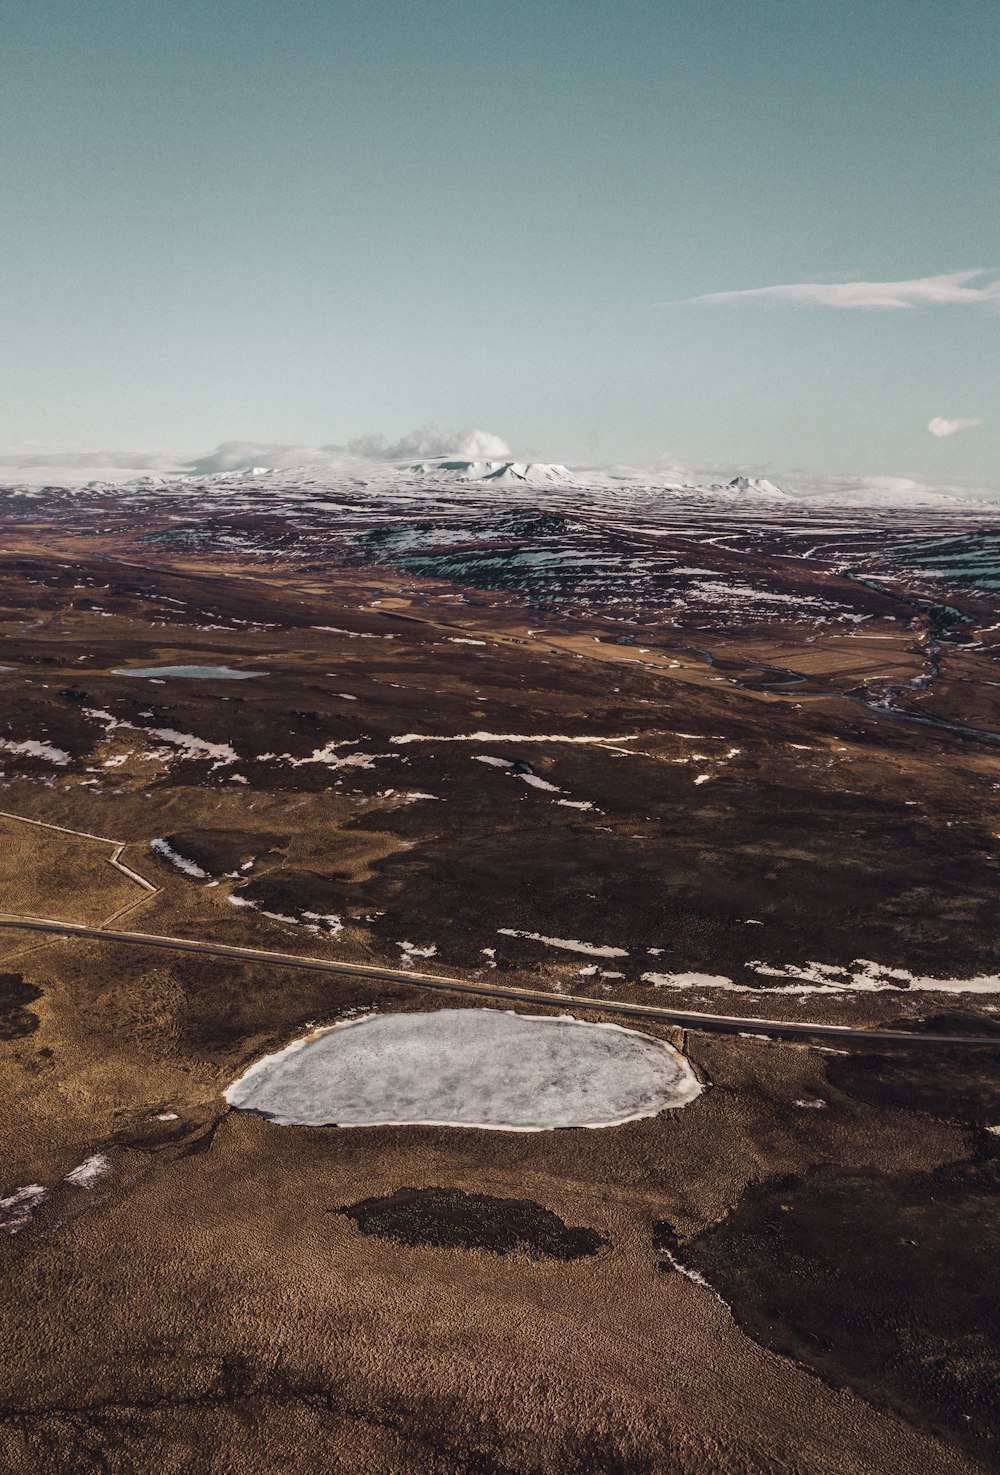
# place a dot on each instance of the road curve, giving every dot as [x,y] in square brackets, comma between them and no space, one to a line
[688,1018]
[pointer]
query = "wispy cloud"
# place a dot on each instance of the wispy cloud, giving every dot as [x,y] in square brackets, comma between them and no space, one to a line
[951,289]
[941,425]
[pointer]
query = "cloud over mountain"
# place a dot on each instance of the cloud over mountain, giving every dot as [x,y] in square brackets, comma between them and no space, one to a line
[429,441]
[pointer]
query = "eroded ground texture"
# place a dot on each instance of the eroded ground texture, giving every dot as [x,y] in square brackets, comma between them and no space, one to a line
[733,756]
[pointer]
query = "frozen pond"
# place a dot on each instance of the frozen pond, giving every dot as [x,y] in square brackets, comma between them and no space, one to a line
[467,1068]
[190,673]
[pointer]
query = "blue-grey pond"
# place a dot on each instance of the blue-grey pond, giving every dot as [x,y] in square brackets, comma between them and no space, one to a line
[188,673]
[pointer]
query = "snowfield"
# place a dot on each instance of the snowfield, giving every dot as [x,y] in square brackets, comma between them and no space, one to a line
[467,1068]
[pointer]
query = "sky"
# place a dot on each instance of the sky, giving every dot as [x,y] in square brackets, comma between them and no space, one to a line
[310,222]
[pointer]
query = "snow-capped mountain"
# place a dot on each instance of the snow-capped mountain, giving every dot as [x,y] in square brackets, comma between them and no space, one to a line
[474,459]
[753,486]
[531,473]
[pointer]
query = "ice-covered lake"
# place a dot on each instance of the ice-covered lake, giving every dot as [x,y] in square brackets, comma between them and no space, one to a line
[467,1068]
[188,673]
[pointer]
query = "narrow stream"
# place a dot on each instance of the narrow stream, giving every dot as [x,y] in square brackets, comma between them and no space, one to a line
[947,623]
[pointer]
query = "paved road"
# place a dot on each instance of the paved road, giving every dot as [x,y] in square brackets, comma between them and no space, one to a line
[689,1019]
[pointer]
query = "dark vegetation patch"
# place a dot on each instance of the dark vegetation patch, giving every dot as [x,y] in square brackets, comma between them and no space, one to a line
[666,1244]
[192,1132]
[680,869]
[290,893]
[220,852]
[890,1285]
[15,1019]
[447,1218]
[954,1085]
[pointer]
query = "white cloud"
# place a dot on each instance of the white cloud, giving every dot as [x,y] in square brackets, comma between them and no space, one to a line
[941,425]
[64,468]
[427,442]
[470,444]
[957,289]
[241,455]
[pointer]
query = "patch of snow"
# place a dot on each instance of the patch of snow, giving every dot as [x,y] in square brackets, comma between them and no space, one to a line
[328,756]
[868,977]
[29,748]
[685,980]
[165,849]
[195,747]
[351,634]
[90,1171]
[327,922]
[694,1276]
[863,976]
[511,737]
[539,783]
[410,951]
[17,1209]
[567,944]
[518,771]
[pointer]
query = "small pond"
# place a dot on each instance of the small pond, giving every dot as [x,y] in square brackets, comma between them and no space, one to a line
[467,1068]
[188,673]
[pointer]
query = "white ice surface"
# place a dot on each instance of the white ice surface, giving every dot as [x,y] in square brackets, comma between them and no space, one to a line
[467,1068]
[190,673]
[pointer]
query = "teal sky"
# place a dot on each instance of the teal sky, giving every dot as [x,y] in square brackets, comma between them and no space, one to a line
[245,219]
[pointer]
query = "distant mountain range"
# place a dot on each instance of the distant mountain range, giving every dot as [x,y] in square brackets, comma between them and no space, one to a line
[263,463]
[531,473]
